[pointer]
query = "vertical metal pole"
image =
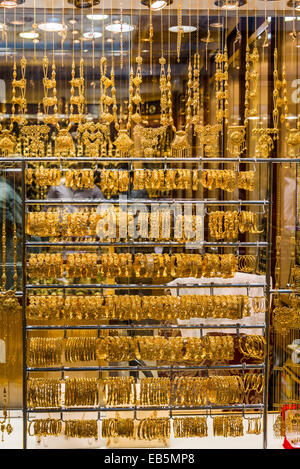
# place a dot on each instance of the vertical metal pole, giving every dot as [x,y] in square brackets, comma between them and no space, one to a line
[268,305]
[24,307]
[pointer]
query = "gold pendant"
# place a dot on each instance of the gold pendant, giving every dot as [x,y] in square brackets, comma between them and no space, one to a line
[209,139]
[236,143]
[123,143]
[180,146]
[293,142]
[265,141]
[8,143]
[64,144]
[34,140]
[93,137]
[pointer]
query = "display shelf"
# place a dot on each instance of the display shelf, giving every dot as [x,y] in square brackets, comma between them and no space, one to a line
[145,408]
[142,327]
[132,286]
[258,244]
[124,201]
[170,368]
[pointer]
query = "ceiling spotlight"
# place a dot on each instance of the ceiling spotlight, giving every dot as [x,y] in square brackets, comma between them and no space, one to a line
[97,17]
[11,3]
[92,35]
[156,5]
[118,28]
[230,4]
[51,27]
[72,21]
[185,29]
[29,35]
[75,32]
[76,41]
[84,3]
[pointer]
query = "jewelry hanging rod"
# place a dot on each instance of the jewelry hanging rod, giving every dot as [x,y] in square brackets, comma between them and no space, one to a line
[142,327]
[146,243]
[141,286]
[143,201]
[137,408]
[170,368]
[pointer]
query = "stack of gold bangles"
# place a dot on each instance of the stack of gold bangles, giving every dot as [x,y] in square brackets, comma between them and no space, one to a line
[121,391]
[55,223]
[253,382]
[80,349]
[81,428]
[229,426]
[228,180]
[134,307]
[160,348]
[45,265]
[118,427]
[45,427]
[114,181]
[43,177]
[190,427]
[80,178]
[89,265]
[253,346]
[158,428]
[42,352]
[81,392]
[155,391]
[228,225]
[43,392]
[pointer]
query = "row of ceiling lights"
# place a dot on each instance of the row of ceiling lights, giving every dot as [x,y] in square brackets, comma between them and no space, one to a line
[117,27]
[155,5]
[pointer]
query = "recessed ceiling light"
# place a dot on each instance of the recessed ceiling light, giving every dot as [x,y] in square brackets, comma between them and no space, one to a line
[109,39]
[185,29]
[156,5]
[97,17]
[84,3]
[92,35]
[10,3]
[76,41]
[75,32]
[72,21]
[29,35]
[118,28]
[51,27]
[230,4]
